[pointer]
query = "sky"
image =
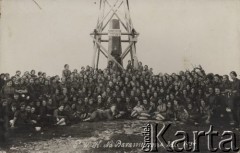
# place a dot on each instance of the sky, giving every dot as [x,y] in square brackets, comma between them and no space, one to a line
[174,34]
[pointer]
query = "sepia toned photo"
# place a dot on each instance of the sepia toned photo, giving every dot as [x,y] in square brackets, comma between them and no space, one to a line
[119,76]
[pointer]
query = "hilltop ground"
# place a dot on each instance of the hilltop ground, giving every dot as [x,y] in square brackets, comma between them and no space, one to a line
[110,136]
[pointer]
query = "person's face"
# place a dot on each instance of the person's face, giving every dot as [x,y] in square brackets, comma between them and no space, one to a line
[151,103]
[109,100]
[73,106]
[138,103]
[66,99]
[160,101]
[216,79]
[38,103]
[9,83]
[33,110]
[79,101]
[16,96]
[146,67]
[217,91]
[113,108]
[44,103]
[72,89]
[2,76]
[26,73]
[155,94]
[14,79]
[99,100]
[61,108]
[18,73]
[67,67]
[172,96]
[7,76]
[202,102]
[46,83]
[37,81]
[232,76]
[90,101]
[22,81]
[50,101]
[210,90]
[31,81]
[56,91]
[189,106]
[64,91]
[145,102]
[13,108]
[175,102]
[184,92]
[33,72]
[4,103]
[22,107]
[169,105]
[28,109]
[225,78]
[167,97]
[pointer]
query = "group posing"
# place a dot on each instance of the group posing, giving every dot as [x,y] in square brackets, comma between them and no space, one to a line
[190,97]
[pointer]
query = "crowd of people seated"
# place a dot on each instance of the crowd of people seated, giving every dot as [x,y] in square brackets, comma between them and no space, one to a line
[190,97]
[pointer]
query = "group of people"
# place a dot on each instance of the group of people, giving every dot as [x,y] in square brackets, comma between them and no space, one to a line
[191,97]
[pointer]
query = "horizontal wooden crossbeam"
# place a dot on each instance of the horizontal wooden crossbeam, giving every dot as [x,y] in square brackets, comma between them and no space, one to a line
[105,33]
[124,41]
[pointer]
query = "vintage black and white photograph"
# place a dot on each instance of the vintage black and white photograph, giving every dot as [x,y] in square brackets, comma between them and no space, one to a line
[119,76]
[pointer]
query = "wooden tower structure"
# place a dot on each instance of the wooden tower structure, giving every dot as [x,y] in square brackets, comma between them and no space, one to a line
[114,15]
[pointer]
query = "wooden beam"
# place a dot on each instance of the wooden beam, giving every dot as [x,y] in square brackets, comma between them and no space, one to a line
[105,33]
[94,53]
[98,58]
[124,41]
[106,52]
[112,16]
[115,13]
[124,54]
[103,53]
[105,16]
[108,14]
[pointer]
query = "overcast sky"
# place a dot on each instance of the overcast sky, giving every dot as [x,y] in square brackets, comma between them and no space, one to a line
[174,34]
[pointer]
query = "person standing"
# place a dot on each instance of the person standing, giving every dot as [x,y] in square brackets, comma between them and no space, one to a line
[235,97]
[3,121]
